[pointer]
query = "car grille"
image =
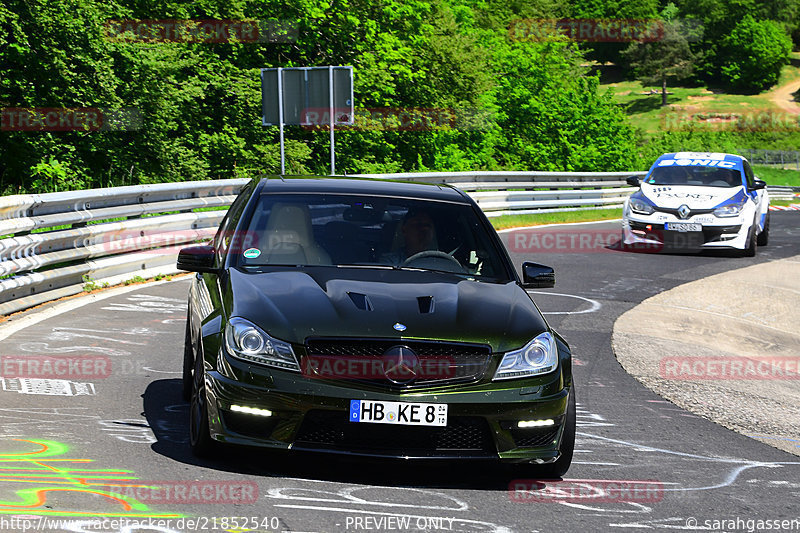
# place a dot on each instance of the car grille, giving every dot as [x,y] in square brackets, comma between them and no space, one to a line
[691,238]
[692,212]
[332,430]
[445,362]
[534,437]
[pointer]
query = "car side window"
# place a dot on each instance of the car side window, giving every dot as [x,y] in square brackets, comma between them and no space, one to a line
[748,173]
[222,239]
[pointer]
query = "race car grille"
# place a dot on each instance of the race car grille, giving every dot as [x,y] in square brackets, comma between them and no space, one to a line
[534,437]
[331,430]
[440,363]
[692,212]
[692,238]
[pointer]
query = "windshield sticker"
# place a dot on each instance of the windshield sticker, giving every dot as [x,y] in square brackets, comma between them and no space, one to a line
[700,155]
[252,253]
[697,163]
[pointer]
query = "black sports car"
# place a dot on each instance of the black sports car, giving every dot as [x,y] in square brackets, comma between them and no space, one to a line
[374,318]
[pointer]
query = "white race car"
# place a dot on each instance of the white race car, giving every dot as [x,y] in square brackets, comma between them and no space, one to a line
[697,201]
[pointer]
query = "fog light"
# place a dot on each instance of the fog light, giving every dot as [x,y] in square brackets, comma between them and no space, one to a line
[251,410]
[535,423]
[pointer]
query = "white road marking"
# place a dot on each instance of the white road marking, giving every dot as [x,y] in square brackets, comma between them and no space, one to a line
[594,304]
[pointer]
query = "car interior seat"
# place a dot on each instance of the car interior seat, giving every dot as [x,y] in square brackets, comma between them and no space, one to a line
[289,238]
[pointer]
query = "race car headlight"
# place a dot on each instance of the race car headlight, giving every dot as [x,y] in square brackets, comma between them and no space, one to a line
[638,206]
[539,356]
[731,210]
[244,340]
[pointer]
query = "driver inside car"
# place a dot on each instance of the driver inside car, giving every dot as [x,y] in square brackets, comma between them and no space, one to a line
[418,235]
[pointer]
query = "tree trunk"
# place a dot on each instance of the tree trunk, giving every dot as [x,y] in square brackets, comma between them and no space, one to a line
[663,92]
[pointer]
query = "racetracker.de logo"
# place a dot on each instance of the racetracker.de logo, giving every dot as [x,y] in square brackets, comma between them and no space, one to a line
[730,368]
[399,118]
[69,119]
[201,31]
[585,491]
[188,492]
[767,120]
[587,30]
[46,367]
[560,241]
[399,367]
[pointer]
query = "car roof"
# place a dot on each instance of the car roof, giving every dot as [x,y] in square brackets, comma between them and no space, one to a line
[703,155]
[363,186]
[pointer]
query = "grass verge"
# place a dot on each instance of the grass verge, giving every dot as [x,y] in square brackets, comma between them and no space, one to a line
[777,176]
[515,221]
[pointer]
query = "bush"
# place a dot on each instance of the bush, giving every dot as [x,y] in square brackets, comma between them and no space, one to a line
[754,53]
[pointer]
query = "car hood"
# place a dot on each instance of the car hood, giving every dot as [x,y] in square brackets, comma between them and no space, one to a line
[293,305]
[696,197]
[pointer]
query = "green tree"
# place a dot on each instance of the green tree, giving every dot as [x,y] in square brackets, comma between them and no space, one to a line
[754,53]
[666,60]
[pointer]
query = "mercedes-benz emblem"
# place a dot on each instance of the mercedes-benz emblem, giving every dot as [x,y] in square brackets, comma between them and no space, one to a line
[400,365]
[684,211]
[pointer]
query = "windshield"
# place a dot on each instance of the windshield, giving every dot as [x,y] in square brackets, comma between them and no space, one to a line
[362,231]
[695,175]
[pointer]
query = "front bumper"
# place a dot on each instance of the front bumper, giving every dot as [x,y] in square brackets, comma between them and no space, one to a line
[312,415]
[651,231]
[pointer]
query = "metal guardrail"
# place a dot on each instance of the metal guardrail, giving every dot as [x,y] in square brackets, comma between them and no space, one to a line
[50,242]
[507,192]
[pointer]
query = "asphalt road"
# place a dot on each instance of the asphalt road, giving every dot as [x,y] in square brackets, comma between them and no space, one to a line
[641,464]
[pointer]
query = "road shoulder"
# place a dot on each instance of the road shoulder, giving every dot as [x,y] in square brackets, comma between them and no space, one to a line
[725,348]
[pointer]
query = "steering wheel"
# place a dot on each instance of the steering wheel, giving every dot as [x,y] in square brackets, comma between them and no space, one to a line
[432,253]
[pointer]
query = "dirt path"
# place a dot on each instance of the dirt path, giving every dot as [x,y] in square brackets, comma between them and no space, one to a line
[783,97]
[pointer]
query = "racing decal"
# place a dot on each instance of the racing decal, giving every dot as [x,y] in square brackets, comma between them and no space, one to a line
[717,156]
[738,198]
[684,195]
[696,162]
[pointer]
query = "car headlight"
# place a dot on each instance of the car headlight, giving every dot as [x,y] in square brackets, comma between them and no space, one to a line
[539,356]
[638,206]
[244,340]
[731,210]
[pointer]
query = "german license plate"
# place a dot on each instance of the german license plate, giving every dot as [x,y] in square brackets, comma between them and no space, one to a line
[403,413]
[683,226]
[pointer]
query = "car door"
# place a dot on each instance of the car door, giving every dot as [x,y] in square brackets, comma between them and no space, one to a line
[205,296]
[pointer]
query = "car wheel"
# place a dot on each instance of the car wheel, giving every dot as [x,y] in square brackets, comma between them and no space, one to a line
[763,237]
[188,363]
[200,440]
[750,250]
[560,467]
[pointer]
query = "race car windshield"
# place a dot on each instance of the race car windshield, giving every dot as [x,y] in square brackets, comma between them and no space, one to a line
[699,176]
[370,232]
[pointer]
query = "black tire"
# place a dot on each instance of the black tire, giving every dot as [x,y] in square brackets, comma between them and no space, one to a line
[200,441]
[750,251]
[560,467]
[188,363]
[763,237]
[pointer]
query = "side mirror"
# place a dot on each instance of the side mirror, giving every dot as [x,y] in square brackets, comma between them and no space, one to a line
[633,181]
[536,276]
[197,259]
[759,184]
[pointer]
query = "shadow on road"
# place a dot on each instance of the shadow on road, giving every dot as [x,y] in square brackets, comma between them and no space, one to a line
[167,415]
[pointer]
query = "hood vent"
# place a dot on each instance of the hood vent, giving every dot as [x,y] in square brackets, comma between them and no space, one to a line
[425,304]
[361,301]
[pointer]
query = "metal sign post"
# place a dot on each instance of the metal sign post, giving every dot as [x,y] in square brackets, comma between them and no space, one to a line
[332,119]
[280,120]
[307,96]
